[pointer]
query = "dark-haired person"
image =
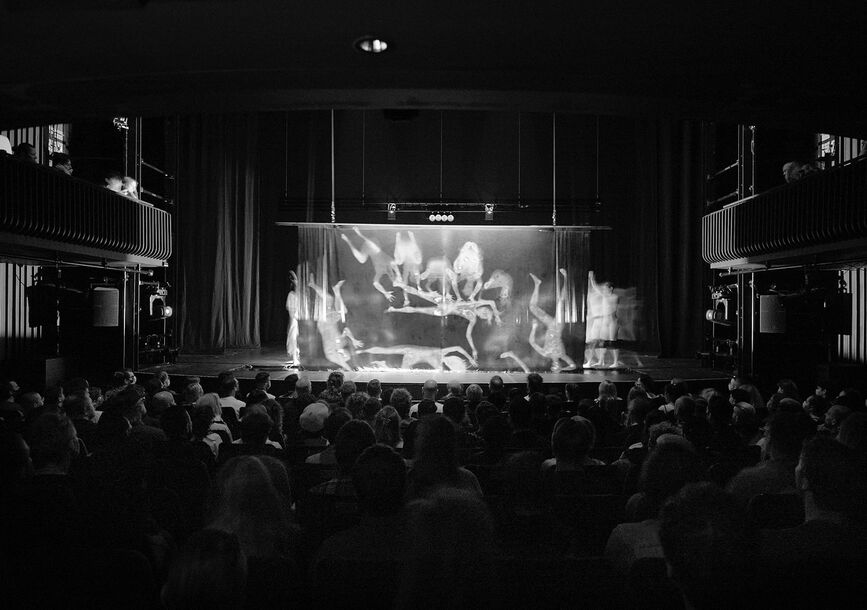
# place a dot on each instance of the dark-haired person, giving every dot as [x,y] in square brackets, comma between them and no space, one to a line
[227,391]
[709,547]
[666,470]
[352,439]
[333,423]
[79,409]
[436,459]
[379,480]
[209,571]
[786,433]
[819,563]
[332,393]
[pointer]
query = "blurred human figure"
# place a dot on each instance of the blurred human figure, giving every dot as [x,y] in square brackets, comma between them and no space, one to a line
[602,325]
[552,345]
[129,188]
[114,182]
[25,151]
[292,329]
[62,163]
[383,264]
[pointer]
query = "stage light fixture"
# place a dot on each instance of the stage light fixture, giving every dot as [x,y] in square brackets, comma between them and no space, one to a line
[431,218]
[489,212]
[392,212]
[371,44]
[450,218]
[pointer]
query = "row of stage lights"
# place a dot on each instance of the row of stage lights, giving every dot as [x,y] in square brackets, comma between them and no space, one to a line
[440,216]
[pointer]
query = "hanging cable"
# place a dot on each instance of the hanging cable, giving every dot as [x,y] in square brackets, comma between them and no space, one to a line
[333,212]
[554,164]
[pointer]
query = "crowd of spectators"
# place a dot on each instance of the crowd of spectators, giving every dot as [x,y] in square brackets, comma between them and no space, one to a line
[154,496]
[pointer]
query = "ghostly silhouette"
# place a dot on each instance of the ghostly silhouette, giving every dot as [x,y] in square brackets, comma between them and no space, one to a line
[439,270]
[468,269]
[602,324]
[442,307]
[552,345]
[292,330]
[333,310]
[407,255]
[514,357]
[435,357]
[383,264]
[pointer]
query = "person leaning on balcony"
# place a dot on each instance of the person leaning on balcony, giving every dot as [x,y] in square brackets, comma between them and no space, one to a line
[62,163]
[25,151]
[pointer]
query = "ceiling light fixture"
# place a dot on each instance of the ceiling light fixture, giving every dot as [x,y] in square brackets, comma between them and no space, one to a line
[371,44]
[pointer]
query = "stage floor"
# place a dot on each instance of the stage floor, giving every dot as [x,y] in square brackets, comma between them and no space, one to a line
[245,363]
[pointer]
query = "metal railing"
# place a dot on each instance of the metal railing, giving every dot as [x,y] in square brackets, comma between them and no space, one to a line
[823,209]
[44,204]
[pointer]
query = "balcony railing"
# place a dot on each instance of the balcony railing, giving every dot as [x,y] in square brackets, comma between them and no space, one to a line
[43,212]
[820,218]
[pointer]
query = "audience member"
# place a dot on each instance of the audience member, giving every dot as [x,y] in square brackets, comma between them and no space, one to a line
[227,392]
[436,459]
[114,182]
[25,151]
[374,388]
[429,397]
[332,394]
[312,423]
[333,423]
[386,427]
[571,442]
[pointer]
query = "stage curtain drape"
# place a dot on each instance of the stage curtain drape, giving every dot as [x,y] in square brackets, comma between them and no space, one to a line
[218,215]
[669,193]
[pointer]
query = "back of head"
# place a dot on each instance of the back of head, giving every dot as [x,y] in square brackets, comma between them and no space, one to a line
[228,386]
[719,410]
[452,558]
[353,438]
[787,433]
[348,388]
[128,403]
[454,409]
[455,388]
[379,478]
[78,406]
[255,427]
[211,401]
[401,400]
[76,386]
[828,469]
[853,433]
[192,392]
[666,470]
[256,397]
[374,388]
[436,444]
[52,440]
[572,439]
[112,430]
[427,407]
[160,402]
[302,385]
[334,422]
[202,418]
[371,407]
[638,408]
[496,431]
[495,385]
[520,413]
[485,410]
[429,389]
[572,391]
[209,571]
[788,388]
[535,383]
[708,545]
[673,391]
[386,426]
[607,388]
[355,403]
[262,380]
[335,380]
[176,423]
[474,394]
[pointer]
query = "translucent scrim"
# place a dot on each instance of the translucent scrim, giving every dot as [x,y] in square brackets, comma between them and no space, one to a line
[446,298]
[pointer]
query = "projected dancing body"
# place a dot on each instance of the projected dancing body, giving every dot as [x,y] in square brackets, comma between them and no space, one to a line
[439,270]
[334,311]
[292,330]
[468,310]
[383,264]
[468,269]
[407,255]
[602,324]
[552,345]
[434,356]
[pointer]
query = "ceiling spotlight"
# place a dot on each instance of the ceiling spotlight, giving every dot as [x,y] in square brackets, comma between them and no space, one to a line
[431,217]
[450,217]
[489,212]
[371,44]
[392,212]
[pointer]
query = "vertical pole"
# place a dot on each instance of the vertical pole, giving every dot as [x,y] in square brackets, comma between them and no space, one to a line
[554,169]
[333,211]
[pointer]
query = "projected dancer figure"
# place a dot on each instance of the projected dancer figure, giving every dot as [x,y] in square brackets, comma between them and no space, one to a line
[407,255]
[334,311]
[468,310]
[514,357]
[292,330]
[502,280]
[383,264]
[434,356]
[552,346]
[468,269]
[439,269]
[602,324]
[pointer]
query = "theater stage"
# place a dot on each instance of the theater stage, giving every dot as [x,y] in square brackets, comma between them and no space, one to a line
[245,363]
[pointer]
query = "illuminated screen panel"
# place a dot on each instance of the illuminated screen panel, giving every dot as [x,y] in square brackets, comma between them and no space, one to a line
[441,297]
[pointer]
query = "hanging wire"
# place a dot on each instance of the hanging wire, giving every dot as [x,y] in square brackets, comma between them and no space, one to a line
[596,202]
[554,164]
[333,212]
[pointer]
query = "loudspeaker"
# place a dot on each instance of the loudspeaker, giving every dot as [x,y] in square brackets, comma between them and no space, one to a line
[106,307]
[772,314]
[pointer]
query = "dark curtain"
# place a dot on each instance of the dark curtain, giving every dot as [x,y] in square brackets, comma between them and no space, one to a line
[669,194]
[218,215]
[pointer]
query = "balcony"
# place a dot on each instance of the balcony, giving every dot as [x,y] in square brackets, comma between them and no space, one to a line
[48,216]
[817,220]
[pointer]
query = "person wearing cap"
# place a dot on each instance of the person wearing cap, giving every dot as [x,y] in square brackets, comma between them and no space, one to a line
[312,423]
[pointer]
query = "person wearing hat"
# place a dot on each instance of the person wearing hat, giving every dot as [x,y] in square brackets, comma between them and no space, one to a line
[312,424]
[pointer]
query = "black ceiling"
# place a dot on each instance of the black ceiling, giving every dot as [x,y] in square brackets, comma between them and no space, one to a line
[771,63]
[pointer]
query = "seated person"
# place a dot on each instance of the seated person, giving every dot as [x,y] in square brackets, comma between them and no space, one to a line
[571,442]
[114,182]
[333,423]
[62,163]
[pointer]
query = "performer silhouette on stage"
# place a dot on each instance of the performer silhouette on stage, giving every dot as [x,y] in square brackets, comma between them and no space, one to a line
[434,356]
[602,324]
[552,346]
[383,264]
[292,330]
[334,311]
[439,270]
